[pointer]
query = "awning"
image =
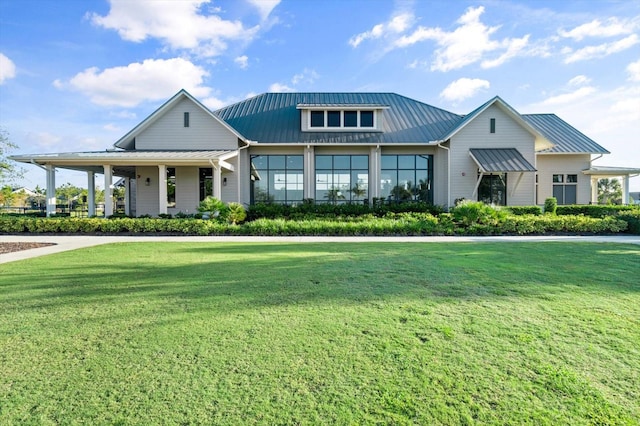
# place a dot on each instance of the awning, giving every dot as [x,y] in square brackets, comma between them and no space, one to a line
[495,160]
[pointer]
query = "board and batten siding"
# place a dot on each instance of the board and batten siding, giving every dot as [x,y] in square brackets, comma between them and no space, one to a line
[563,164]
[187,190]
[204,132]
[147,196]
[476,134]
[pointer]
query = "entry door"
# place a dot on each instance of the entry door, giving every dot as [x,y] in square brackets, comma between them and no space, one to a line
[493,189]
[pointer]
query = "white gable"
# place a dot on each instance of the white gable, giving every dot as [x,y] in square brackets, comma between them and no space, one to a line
[168,131]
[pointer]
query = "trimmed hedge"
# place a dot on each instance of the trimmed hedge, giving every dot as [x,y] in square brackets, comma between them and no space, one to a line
[596,210]
[390,224]
[309,210]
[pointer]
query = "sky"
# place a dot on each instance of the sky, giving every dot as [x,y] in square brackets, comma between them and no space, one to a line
[77,75]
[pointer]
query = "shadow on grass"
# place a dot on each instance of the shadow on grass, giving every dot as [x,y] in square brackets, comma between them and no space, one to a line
[251,276]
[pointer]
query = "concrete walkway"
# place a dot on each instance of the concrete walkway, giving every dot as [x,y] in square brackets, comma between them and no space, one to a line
[72,242]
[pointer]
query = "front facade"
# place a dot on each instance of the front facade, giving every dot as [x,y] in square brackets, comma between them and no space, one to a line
[337,148]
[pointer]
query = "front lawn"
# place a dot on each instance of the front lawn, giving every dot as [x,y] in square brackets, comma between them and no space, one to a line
[342,333]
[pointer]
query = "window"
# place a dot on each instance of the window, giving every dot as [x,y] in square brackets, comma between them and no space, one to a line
[171,186]
[317,118]
[351,119]
[366,118]
[566,193]
[277,179]
[333,118]
[337,119]
[186,119]
[206,182]
[407,178]
[342,178]
[493,189]
[492,125]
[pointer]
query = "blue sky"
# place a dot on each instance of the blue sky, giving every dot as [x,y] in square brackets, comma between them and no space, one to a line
[76,75]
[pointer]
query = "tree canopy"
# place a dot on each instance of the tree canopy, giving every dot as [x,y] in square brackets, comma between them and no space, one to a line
[8,169]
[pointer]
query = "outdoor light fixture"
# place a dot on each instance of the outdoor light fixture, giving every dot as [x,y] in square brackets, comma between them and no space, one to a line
[147,182]
[224,181]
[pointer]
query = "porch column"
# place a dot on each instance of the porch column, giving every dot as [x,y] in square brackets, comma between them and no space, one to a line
[309,173]
[91,194]
[108,193]
[594,190]
[625,189]
[51,189]
[162,189]
[127,196]
[217,181]
[374,173]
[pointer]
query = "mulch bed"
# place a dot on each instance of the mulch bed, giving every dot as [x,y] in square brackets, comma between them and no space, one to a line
[11,247]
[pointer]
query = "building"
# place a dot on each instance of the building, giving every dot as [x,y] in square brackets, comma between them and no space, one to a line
[339,148]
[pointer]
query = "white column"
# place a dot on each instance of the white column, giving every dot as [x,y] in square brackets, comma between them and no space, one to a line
[594,190]
[374,173]
[127,196]
[108,194]
[625,189]
[162,189]
[309,173]
[91,193]
[51,190]
[217,181]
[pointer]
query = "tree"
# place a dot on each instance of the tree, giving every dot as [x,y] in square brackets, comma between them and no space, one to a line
[6,196]
[609,191]
[8,169]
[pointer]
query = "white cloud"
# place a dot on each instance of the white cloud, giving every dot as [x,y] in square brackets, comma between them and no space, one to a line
[265,7]
[279,87]
[570,98]
[7,68]
[634,71]
[579,80]
[43,140]
[110,127]
[308,76]
[467,44]
[612,28]
[396,25]
[242,61]
[601,50]
[463,88]
[153,79]
[178,24]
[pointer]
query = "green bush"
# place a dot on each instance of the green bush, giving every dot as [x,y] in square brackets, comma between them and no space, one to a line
[468,213]
[550,205]
[236,213]
[595,210]
[632,218]
[522,210]
[212,208]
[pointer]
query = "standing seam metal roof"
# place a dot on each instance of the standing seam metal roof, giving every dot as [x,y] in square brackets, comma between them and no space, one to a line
[566,138]
[501,160]
[275,118]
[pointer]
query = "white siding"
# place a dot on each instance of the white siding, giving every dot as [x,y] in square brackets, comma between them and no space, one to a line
[230,190]
[563,164]
[509,134]
[204,132]
[187,190]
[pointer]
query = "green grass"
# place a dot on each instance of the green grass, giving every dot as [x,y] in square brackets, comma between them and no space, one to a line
[371,333]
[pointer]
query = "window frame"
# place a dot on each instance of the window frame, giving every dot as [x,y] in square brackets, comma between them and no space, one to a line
[292,176]
[352,174]
[314,114]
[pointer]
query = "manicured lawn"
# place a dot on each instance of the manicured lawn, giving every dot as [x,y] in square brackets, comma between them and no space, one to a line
[386,333]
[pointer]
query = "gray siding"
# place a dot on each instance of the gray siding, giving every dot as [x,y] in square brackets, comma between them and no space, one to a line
[147,196]
[204,131]
[563,164]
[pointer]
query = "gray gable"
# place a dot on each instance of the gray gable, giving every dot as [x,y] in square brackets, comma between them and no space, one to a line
[275,118]
[566,138]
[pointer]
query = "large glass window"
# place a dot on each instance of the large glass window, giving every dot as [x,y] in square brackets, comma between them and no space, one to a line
[171,186]
[277,179]
[206,182]
[352,119]
[493,189]
[407,178]
[342,178]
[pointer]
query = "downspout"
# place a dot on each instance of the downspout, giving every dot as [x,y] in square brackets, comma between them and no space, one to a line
[597,158]
[217,185]
[248,144]
[448,172]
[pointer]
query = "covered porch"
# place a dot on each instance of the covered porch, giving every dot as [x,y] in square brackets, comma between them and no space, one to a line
[603,172]
[125,165]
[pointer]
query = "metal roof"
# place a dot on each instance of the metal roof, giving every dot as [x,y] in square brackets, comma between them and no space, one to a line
[500,160]
[566,138]
[275,118]
[122,156]
[611,171]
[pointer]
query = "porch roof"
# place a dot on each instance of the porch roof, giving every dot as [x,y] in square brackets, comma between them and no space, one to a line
[138,157]
[611,171]
[491,160]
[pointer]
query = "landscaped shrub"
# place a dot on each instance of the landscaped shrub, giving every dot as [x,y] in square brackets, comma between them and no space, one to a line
[522,210]
[468,213]
[633,221]
[236,213]
[595,210]
[212,208]
[550,205]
